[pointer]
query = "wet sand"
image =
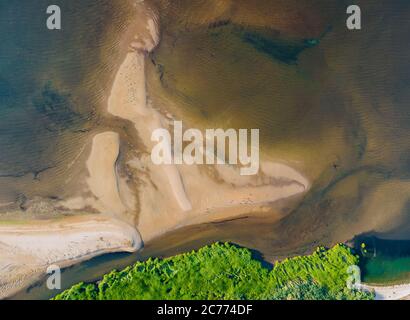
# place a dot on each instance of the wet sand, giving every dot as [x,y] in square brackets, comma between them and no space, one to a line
[27,249]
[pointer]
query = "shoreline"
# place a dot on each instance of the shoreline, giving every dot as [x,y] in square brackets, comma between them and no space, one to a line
[395,292]
[27,250]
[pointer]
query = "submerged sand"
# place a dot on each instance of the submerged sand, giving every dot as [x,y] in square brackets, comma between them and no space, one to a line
[165,197]
[172,196]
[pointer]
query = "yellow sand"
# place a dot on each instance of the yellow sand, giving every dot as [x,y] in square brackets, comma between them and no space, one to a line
[27,250]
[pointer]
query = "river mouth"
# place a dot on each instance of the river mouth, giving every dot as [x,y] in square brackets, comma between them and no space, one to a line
[331,103]
[383,262]
[240,231]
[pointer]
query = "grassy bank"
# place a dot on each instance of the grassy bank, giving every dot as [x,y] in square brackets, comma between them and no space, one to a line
[224,271]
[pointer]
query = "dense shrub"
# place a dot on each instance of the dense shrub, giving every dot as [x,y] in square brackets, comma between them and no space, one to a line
[225,271]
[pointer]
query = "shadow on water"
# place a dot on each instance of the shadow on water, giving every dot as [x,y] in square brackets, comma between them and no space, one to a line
[384,261]
[58,108]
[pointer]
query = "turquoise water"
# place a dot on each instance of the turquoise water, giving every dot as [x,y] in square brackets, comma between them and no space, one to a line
[385,261]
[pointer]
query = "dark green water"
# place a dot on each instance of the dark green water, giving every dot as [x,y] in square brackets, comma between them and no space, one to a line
[385,261]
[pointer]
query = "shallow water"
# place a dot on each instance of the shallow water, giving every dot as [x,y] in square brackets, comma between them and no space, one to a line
[332,103]
[386,261]
[51,83]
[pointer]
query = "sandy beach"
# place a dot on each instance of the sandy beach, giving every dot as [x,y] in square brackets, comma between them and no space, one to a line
[27,249]
[396,292]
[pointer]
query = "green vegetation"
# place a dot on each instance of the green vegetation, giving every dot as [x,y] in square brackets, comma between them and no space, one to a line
[225,271]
